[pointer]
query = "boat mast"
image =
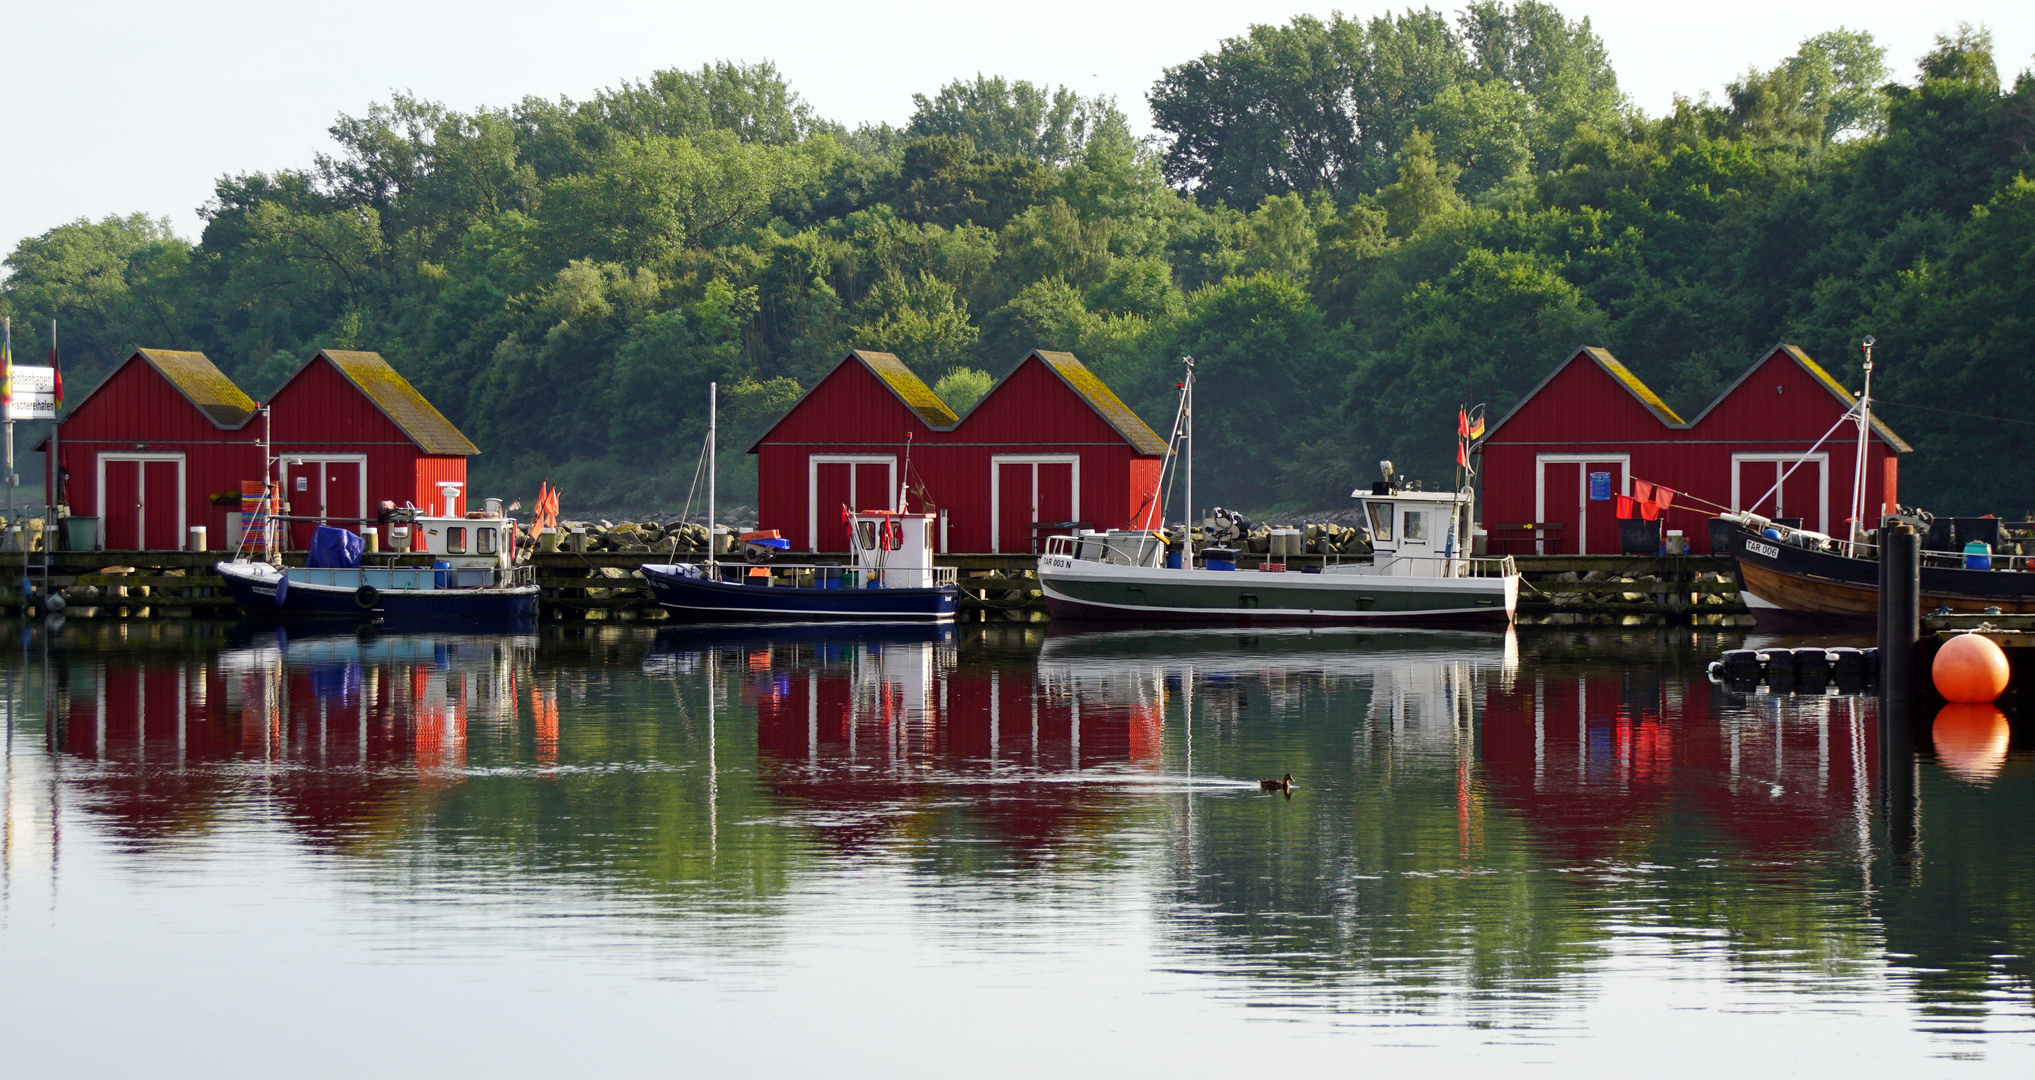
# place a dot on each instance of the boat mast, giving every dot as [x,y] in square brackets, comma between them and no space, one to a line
[1858,460]
[1187,523]
[713,465]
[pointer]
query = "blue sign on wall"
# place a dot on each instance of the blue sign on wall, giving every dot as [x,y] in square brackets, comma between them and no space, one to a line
[1600,487]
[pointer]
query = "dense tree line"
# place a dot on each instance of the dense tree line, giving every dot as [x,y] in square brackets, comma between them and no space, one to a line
[1354,226]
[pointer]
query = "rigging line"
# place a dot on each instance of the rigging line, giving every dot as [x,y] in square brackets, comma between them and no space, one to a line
[1956,412]
[697,467]
[1851,416]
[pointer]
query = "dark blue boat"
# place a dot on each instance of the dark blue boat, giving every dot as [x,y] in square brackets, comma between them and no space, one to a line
[374,592]
[695,591]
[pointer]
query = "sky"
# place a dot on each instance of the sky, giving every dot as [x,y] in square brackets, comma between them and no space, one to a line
[113,106]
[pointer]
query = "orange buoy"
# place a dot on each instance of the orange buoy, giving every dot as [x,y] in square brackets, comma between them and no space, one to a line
[1969,669]
[1971,740]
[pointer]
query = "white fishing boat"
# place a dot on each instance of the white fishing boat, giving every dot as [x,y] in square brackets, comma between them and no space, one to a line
[1419,570]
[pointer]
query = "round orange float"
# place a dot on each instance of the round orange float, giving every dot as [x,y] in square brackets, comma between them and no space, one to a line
[1969,669]
[1971,740]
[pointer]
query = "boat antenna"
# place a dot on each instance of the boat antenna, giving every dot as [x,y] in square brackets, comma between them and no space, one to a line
[1183,431]
[1858,460]
[713,466]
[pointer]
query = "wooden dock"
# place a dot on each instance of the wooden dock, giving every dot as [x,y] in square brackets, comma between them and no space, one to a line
[1594,590]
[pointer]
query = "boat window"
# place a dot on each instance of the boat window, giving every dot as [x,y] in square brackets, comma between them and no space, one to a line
[1381,521]
[865,535]
[1416,525]
[484,541]
[455,540]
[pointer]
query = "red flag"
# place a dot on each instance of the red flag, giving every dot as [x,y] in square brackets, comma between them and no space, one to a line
[1625,507]
[1649,510]
[1462,454]
[1664,496]
[1642,490]
[1462,423]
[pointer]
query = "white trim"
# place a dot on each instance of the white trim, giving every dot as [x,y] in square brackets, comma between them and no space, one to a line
[813,463]
[360,510]
[1822,523]
[141,492]
[996,464]
[1540,463]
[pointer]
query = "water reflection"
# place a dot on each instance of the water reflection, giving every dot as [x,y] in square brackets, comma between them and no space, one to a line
[1489,829]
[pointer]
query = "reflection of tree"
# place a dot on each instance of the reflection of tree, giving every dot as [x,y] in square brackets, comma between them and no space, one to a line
[1480,823]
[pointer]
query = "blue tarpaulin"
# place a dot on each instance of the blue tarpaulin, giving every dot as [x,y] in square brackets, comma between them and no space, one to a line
[335,549]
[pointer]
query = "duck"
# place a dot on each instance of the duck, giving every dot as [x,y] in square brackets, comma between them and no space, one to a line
[1285,784]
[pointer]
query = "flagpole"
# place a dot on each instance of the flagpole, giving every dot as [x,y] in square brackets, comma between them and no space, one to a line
[9,402]
[51,494]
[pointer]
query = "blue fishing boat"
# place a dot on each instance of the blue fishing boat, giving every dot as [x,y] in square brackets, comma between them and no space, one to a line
[473,571]
[891,577]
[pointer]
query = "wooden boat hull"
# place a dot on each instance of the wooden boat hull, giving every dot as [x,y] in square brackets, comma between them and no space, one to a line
[699,598]
[1782,580]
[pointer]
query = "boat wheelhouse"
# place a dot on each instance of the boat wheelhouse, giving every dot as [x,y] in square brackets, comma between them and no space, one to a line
[890,577]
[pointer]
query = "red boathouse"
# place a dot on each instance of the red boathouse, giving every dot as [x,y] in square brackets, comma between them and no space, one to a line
[146,449]
[1551,468]
[1048,450]
[350,433]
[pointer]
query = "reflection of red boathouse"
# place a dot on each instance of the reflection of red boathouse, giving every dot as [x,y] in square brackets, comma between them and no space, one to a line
[344,737]
[1594,762]
[873,732]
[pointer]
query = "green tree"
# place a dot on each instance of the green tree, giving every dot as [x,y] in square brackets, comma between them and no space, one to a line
[111,285]
[1425,190]
[923,320]
[1018,119]
[962,387]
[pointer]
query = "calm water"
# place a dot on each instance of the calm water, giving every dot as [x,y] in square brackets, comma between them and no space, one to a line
[616,851]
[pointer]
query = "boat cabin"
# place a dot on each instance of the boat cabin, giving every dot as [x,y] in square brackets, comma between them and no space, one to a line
[1412,531]
[478,539]
[894,550]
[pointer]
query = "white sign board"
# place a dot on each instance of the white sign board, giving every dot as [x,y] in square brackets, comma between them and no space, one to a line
[35,395]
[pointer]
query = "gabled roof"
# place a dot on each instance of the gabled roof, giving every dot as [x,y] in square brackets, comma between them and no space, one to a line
[200,381]
[912,392]
[399,401]
[1103,400]
[1641,392]
[1815,371]
[909,388]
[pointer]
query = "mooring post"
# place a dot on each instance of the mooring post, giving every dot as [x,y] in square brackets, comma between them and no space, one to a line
[1900,611]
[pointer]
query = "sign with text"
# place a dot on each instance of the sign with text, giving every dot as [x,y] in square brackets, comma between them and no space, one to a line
[35,394]
[1600,486]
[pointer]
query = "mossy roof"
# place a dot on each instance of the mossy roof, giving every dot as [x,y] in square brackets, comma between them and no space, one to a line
[400,402]
[201,381]
[1104,401]
[909,388]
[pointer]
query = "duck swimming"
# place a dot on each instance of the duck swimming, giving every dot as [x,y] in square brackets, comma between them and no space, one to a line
[1285,784]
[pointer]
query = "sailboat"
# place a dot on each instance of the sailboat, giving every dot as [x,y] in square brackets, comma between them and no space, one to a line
[1417,572]
[890,576]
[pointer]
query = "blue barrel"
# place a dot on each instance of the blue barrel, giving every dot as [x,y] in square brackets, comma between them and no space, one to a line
[1978,555]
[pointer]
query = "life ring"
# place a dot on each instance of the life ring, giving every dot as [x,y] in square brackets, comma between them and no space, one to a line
[366,597]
